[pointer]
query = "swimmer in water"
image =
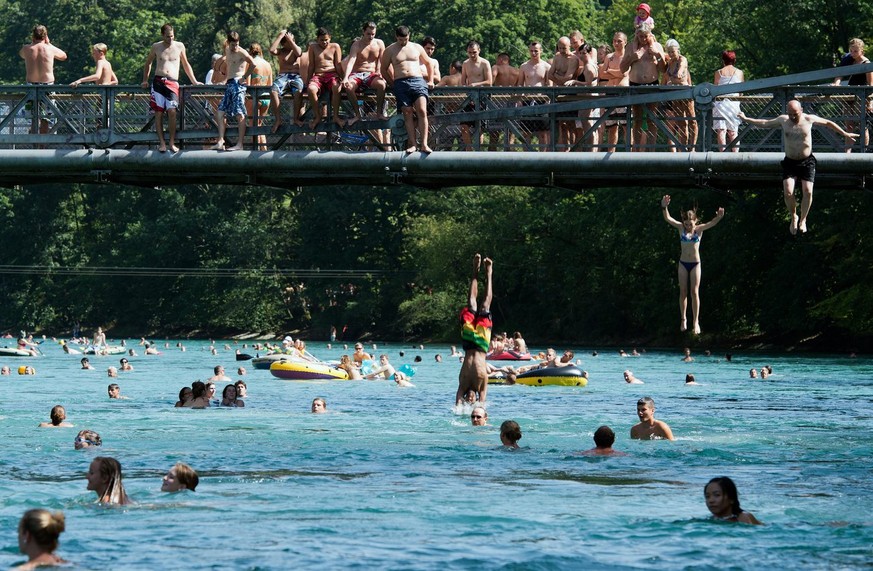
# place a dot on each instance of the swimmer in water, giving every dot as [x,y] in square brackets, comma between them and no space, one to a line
[510,434]
[58,416]
[723,501]
[319,406]
[604,438]
[38,533]
[104,478]
[649,428]
[180,477]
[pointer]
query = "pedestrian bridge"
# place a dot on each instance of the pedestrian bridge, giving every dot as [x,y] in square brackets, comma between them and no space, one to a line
[517,136]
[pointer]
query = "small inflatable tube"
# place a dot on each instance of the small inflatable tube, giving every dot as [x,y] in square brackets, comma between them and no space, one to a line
[293,371]
[498,378]
[508,356]
[267,360]
[108,350]
[553,376]
[12,352]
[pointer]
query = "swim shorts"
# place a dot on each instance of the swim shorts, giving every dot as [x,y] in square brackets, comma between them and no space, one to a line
[407,90]
[165,94]
[475,330]
[288,83]
[364,78]
[803,169]
[324,80]
[234,101]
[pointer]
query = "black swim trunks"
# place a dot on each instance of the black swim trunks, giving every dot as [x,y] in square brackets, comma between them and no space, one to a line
[803,169]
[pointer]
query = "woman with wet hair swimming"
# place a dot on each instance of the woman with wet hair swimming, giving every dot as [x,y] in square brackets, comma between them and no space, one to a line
[104,477]
[58,415]
[229,397]
[723,501]
[690,233]
[38,533]
[510,434]
[180,477]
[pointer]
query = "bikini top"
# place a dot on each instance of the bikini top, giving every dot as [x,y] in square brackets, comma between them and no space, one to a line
[694,237]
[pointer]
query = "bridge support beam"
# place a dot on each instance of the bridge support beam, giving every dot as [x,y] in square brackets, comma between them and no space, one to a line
[442,169]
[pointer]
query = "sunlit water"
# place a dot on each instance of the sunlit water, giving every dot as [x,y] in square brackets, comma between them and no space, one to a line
[393,479]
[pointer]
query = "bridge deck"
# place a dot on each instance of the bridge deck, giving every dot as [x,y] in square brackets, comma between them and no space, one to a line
[51,125]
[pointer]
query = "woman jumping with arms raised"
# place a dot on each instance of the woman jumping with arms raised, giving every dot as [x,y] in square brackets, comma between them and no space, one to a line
[690,233]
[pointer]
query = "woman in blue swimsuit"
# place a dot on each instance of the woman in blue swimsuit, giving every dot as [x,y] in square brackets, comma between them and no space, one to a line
[690,233]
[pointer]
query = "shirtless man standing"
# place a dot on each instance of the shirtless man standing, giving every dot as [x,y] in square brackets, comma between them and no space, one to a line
[39,62]
[429,45]
[649,428]
[325,58]
[362,70]
[476,336]
[401,66]
[588,76]
[564,71]
[644,61]
[476,72]
[611,69]
[454,77]
[168,55]
[103,75]
[262,75]
[288,79]
[504,74]
[239,65]
[799,162]
[534,73]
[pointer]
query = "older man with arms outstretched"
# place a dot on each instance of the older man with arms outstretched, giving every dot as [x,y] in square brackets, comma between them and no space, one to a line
[799,162]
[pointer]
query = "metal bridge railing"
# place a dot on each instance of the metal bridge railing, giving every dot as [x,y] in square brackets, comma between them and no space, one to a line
[481,119]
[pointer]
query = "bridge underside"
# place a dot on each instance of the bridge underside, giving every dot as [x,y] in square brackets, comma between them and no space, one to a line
[288,169]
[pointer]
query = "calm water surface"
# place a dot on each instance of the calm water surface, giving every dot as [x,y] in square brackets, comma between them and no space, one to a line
[394,479]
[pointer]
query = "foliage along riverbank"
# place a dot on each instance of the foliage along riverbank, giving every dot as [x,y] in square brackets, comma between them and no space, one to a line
[596,267]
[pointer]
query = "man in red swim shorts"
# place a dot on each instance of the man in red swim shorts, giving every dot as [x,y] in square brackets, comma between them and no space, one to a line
[325,59]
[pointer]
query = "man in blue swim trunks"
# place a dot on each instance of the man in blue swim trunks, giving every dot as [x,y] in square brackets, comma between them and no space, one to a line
[799,162]
[402,63]
[239,65]
[288,79]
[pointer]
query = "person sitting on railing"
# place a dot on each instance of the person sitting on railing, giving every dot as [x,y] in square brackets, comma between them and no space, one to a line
[324,65]
[240,65]
[799,162]
[362,70]
[289,79]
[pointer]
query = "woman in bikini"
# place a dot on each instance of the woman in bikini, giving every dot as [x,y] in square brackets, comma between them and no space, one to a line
[690,233]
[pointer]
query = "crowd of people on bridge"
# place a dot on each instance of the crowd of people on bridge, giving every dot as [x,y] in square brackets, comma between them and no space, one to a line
[318,73]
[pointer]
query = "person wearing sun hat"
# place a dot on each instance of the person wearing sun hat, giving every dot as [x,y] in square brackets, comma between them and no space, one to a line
[644,16]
